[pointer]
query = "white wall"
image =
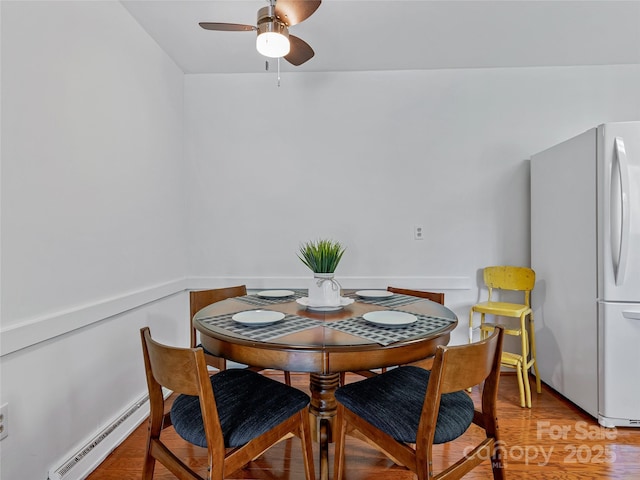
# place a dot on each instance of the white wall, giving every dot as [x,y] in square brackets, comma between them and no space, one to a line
[93,194]
[363,157]
[93,243]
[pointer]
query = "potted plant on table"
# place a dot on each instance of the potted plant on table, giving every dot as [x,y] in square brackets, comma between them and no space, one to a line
[322,258]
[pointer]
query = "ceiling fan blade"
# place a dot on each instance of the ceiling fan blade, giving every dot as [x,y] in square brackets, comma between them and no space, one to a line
[293,12]
[300,51]
[227,27]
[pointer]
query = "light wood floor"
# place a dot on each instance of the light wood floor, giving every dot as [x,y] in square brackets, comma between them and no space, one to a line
[553,440]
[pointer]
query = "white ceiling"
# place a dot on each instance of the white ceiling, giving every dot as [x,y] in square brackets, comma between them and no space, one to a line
[361,35]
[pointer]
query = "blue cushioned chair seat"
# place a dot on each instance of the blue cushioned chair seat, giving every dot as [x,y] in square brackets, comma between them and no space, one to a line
[249,404]
[393,401]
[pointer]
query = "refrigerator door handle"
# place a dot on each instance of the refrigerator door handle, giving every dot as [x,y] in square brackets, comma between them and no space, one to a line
[623,168]
[631,315]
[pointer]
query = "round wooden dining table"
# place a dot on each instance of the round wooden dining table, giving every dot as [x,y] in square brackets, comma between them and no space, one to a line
[324,343]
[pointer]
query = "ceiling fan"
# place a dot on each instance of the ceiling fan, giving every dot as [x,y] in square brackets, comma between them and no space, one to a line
[273,25]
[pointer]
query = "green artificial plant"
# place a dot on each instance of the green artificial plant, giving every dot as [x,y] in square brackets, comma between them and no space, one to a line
[321,256]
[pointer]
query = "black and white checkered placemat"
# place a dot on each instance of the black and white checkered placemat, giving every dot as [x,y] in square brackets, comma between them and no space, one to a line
[289,324]
[425,325]
[254,299]
[397,300]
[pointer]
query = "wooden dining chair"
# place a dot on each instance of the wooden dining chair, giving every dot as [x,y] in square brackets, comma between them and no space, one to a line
[407,410]
[236,414]
[198,299]
[437,297]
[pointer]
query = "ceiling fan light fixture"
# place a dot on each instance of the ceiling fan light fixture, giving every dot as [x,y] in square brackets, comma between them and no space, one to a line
[272,26]
[273,39]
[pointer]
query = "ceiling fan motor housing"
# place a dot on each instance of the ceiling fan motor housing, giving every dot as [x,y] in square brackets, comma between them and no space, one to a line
[268,22]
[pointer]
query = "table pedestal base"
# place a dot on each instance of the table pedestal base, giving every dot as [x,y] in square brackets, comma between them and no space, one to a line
[323,409]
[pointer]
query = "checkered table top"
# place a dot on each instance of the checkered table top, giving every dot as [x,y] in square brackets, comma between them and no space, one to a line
[289,324]
[425,325]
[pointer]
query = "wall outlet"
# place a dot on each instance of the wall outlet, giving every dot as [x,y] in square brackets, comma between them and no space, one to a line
[418,232]
[4,421]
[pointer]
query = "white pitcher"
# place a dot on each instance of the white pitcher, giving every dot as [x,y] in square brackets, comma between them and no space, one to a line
[324,291]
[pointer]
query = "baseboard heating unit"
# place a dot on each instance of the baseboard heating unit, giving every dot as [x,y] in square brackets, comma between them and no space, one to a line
[78,464]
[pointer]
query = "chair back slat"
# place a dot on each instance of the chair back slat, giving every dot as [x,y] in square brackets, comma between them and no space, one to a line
[201,298]
[173,368]
[466,366]
[509,278]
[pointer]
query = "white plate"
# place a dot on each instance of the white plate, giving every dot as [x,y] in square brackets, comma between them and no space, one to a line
[390,318]
[374,293]
[275,293]
[257,318]
[319,308]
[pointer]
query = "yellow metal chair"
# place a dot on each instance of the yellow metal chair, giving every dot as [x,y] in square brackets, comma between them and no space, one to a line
[520,279]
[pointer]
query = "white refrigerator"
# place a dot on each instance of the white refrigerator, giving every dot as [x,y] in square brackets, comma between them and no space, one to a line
[585,250]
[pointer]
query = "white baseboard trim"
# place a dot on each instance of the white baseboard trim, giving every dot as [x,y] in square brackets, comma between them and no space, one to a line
[36,330]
